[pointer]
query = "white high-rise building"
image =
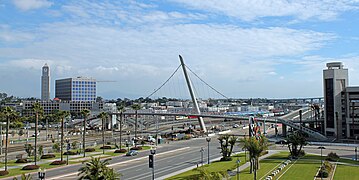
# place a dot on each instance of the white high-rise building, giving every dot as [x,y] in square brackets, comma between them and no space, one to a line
[45,83]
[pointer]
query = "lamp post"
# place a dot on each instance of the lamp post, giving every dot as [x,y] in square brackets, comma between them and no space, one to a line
[201,155]
[321,159]
[208,139]
[128,146]
[238,161]
[152,162]
[356,155]
[41,174]
[67,148]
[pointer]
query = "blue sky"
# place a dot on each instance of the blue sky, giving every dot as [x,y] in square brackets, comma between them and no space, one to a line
[261,48]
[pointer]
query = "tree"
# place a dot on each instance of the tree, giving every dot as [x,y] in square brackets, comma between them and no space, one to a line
[227,142]
[28,149]
[8,113]
[103,116]
[294,140]
[255,148]
[96,169]
[38,109]
[62,115]
[121,109]
[85,114]
[136,107]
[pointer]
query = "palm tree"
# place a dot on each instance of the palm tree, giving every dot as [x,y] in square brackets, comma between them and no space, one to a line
[62,115]
[294,140]
[85,114]
[136,107]
[103,116]
[96,169]
[121,109]
[9,113]
[255,148]
[38,109]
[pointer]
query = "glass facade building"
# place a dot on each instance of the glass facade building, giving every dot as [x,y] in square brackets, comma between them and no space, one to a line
[76,89]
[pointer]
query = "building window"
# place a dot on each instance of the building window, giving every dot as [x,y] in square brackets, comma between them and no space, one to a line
[329,104]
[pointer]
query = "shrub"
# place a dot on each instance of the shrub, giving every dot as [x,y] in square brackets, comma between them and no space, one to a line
[264,153]
[327,166]
[70,153]
[301,153]
[323,173]
[30,167]
[58,163]
[136,148]
[226,159]
[90,150]
[4,173]
[106,147]
[332,157]
[121,151]
[48,156]
[21,161]
[56,147]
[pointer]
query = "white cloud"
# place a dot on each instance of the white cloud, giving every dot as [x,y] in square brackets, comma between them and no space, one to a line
[26,5]
[249,10]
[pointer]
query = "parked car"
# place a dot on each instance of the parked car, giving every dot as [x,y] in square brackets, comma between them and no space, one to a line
[281,142]
[33,135]
[132,153]
[235,126]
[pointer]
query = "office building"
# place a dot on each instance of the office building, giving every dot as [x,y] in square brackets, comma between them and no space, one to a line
[76,89]
[45,83]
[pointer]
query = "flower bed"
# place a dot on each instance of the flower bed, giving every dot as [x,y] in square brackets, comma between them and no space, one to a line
[58,163]
[21,161]
[4,173]
[120,151]
[136,148]
[90,150]
[30,167]
[106,147]
[48,156]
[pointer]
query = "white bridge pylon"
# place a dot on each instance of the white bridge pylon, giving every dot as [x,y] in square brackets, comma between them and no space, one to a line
[193,96]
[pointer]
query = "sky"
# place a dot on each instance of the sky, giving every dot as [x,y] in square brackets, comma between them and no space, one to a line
[242,48]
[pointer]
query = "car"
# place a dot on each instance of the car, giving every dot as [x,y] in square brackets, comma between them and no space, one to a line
[281,142]
[132,153]
[33,135]
[235,126]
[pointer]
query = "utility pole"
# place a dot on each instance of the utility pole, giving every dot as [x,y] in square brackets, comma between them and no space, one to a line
[194,99]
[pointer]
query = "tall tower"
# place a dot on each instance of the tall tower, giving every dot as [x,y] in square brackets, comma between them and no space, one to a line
[335,79]
[45,83]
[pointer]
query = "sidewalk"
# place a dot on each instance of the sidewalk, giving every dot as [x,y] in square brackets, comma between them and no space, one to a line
[244,166]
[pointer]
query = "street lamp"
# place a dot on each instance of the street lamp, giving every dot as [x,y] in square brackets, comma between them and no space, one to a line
[152,162]
[321,158]
[238,162]
[128,146]
[201,155]
[41,174]
[67,148]
[208,139]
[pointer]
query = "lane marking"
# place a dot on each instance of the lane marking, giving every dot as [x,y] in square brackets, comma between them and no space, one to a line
[75,173]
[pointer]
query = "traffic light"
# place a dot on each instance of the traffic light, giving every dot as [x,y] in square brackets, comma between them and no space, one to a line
[150,161]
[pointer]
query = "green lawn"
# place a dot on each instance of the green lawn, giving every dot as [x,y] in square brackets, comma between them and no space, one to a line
[216,166]
[266,166]
[346,172]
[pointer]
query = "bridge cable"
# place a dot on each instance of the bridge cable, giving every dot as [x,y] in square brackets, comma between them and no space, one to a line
[207,83]
[164,82]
